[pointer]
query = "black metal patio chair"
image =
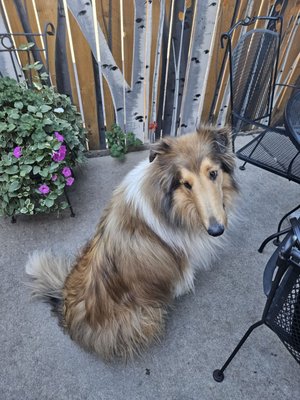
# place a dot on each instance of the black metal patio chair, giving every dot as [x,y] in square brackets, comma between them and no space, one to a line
[253,64]
[281,283]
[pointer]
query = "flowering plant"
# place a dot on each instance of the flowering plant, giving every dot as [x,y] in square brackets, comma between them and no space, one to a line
[41,140]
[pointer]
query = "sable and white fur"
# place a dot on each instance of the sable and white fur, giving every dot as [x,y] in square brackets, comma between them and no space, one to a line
[158,228]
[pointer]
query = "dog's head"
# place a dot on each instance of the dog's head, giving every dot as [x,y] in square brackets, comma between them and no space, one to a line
[193,179]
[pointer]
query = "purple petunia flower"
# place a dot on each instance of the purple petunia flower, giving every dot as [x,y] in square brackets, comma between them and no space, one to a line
[59,137]
[60,154]
[62,149]
[66,172]
[17,152]
[69,181]
[44,189]
[54,177]
[56,157]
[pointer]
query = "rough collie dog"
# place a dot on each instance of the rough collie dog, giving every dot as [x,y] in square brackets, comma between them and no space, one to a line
[160,226]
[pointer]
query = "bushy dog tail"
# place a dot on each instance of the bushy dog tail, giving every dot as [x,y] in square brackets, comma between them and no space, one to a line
[47,274]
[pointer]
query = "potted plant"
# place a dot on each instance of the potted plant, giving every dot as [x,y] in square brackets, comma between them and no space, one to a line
[119,142]
[41,140]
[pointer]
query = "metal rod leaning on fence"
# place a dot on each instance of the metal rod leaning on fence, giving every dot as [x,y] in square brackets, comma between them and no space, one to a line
[74,65]
[98,56]
[188,66]
[153,113]
[177,64]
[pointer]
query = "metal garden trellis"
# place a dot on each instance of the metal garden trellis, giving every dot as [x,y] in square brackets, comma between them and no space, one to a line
[8,45]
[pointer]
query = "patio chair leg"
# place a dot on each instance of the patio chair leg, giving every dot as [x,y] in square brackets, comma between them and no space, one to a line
[13,219]
[277,242]
[242,167]
[218,374]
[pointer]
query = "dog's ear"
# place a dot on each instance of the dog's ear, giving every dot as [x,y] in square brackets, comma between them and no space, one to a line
[222,139]
[222,144]
[162,147]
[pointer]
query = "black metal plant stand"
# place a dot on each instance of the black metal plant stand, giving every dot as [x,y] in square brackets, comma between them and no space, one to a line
[69,203]
[282,310]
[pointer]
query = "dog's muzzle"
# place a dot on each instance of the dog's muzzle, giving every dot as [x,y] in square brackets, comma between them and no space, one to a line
[215,229]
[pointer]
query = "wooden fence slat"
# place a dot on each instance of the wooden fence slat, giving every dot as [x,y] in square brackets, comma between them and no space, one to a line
[223,20]
[87,83]
[224,82]
[47,12]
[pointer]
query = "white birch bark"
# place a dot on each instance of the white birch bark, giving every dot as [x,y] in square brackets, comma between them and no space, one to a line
[199,62]
[135,93]
[135,100]
[82,12]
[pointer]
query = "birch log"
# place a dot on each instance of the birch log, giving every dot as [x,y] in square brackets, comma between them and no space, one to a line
[199,62]
[82,12]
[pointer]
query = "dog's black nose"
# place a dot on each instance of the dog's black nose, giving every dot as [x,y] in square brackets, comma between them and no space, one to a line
[215,229]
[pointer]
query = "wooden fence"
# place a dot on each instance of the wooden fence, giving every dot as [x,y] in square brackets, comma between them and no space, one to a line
[144,63]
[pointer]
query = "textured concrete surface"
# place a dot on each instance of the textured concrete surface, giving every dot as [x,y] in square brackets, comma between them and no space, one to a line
[37,361]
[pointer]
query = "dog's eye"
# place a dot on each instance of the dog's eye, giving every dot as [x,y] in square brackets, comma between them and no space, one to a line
[187,185]
[213,175]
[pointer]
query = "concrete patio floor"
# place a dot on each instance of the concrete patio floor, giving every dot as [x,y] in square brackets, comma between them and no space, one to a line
[38,361]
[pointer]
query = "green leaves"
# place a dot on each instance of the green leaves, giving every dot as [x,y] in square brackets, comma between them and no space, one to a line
[13,113]
[32,109]
[44,108]
[12,170]
[49,202]
[11,127]
[28,119]
[13,186]
[19,105]
[25,170]
[37,85]
[3,126]
[26,46]
[36,169]
[35,66]
[47,121]
[118,142]
[44,172]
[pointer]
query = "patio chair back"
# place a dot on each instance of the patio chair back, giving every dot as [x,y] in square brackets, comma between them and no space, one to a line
[292,119]
[253,68]
[253,71]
